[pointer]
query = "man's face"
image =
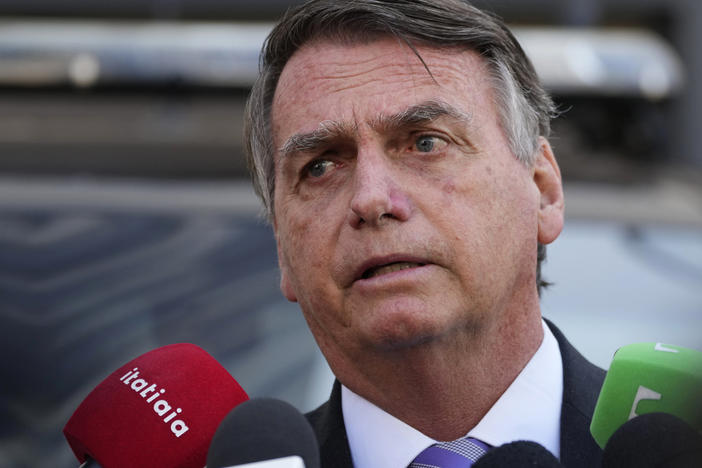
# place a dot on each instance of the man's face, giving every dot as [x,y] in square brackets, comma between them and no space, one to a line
[401,215]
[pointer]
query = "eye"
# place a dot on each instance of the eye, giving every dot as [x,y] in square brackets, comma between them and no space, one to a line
[318,168]
[428,143]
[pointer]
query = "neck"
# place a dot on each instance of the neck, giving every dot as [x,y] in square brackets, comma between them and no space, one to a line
[444,387]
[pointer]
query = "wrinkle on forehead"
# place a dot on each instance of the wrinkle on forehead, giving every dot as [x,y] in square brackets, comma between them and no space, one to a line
[348,76]
[340,72]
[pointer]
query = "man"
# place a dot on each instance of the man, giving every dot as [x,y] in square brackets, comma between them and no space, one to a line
[400,151]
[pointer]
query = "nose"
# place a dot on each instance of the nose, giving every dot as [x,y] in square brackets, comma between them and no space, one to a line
[378,194]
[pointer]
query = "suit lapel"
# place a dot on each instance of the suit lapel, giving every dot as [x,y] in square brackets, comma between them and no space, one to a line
[328,423]
[581,386]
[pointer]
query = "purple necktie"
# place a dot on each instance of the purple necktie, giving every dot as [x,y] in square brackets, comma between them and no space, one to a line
[461,453]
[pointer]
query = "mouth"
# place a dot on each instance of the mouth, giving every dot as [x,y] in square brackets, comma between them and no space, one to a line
[387,268]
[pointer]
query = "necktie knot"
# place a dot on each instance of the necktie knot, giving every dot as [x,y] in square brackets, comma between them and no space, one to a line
[460,453]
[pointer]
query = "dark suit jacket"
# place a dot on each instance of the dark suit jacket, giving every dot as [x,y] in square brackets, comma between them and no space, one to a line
[581,386]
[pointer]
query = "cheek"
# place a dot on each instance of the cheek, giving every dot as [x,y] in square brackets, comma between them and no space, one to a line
[296,245]
[491,209]
[307,248]
[448,188]
[306,243]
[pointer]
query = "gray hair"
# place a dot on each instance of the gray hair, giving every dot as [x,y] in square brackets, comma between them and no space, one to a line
[524,106]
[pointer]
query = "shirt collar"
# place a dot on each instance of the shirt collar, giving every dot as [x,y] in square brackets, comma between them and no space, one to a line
[530,409]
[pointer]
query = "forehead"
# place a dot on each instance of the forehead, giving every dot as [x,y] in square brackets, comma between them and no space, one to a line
[354,84]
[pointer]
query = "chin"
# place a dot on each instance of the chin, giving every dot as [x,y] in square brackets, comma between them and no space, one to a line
[396,330]
[414,329]
[404,342]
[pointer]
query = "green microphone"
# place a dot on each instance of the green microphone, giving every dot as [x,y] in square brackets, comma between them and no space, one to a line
[649,378]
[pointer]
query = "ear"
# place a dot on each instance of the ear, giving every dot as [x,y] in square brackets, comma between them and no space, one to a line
[547,177]
[285,285]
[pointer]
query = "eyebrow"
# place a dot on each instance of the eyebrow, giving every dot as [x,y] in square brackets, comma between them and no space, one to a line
[327,131]
[330,130]
[422,113]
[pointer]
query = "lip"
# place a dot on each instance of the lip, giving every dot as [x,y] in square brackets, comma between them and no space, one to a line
[385,260]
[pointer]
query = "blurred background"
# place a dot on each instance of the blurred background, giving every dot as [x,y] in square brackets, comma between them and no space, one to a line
[127,221]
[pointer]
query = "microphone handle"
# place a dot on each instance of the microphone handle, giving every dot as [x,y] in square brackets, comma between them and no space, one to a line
[90,463]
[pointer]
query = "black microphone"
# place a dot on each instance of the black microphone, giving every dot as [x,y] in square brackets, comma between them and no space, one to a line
[263,429]
[658,440]
[518,454]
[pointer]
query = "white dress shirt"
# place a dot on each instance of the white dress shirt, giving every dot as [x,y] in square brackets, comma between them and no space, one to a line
[530,409]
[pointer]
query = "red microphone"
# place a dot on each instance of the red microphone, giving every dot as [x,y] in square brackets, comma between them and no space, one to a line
[158,410]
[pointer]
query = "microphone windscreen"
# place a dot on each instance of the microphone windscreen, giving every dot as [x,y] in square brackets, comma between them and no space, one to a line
[263,429]
[158,410]
[649,378]
[654,440]
[518,454]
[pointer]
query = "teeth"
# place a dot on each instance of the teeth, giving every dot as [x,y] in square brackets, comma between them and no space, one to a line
[382,270]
